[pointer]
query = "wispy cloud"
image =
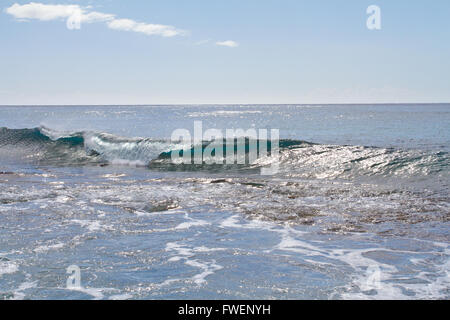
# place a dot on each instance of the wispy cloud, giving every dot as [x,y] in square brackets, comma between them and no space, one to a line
[228,43]
[47,12]
[146,28]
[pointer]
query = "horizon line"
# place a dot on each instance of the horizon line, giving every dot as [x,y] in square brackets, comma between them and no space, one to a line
[217,104]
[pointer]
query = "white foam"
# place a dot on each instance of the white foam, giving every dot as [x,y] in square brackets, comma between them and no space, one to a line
[208,269]
[388,284]
[181,250]
[169,282]
[233,222]
[184,253]
[205,249]
[192,223]
[62,199]
[434,285]
[114,176]
[8,267]
[90,225]
[124,296]
[96,293]
[45,248]
[19,292]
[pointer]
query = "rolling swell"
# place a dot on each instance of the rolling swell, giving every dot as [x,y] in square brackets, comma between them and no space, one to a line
[46,146]
[34,145]
[297,158]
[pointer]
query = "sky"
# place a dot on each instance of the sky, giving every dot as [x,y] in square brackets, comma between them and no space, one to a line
[223,52]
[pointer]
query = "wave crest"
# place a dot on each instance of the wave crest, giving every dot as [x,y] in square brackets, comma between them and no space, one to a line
[297,158]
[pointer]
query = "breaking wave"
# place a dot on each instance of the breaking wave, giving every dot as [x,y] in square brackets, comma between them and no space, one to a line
[297,158]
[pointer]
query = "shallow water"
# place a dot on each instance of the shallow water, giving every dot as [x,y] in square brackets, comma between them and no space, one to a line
[360,210]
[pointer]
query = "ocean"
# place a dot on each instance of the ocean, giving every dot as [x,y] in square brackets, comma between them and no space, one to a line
[91,206]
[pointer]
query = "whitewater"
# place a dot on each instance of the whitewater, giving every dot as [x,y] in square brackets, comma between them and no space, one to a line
[361,194]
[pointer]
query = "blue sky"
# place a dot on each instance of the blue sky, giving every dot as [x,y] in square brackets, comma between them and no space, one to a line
[215,51]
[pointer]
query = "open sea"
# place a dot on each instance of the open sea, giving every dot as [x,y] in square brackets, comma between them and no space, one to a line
[359,208]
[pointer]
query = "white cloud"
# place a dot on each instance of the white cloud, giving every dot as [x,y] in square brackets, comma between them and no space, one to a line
[228,43]
[41,11]
[148,29]
[122,24]
[47,12]
[96,17]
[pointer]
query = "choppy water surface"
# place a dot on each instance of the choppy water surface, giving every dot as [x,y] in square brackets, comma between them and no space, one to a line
[359,208]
